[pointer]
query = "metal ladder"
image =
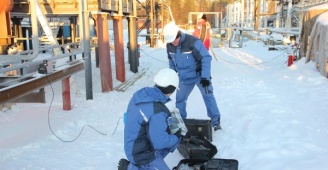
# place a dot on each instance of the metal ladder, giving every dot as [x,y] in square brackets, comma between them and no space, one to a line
[54,26]
[47,30]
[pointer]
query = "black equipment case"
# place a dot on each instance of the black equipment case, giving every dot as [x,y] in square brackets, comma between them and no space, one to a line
[197,143]
[198,151]
[204,164]
[199,127]
[194,147]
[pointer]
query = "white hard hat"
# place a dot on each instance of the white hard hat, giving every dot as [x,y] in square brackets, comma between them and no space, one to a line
[170,32]
[166,77]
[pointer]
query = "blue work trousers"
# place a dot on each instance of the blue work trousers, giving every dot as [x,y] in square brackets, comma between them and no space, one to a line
[211,106]
[158,163]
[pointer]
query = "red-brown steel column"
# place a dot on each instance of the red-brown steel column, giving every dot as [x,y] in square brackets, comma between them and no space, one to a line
[119,48]
[104,51]
[66,93]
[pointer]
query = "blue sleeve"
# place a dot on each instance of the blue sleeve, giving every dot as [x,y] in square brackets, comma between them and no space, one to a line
[171,62]
[205,58]
[158,134]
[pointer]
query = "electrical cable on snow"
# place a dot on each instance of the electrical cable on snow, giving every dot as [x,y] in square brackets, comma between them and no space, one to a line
[53,94]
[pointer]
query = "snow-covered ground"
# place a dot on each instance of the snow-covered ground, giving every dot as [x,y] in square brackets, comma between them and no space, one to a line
[273,116]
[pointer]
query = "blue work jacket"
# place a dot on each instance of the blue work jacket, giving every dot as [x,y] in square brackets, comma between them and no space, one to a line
[190,59]
[146,127]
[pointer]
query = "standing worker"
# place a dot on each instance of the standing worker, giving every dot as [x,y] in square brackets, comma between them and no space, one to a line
[203,31]
[148,137]
[189,58]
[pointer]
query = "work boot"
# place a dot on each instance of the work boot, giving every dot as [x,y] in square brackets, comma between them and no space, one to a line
[218,126]
[123,164]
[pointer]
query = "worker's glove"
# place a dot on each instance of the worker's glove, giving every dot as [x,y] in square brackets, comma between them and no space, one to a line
[204,82]
[176,122]
[178,134]
[173,124]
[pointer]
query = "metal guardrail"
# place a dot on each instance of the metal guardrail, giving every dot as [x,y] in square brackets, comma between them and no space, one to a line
[34,83]
[21,55]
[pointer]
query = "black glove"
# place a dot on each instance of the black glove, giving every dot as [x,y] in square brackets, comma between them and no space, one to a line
[204,82]
[178,134]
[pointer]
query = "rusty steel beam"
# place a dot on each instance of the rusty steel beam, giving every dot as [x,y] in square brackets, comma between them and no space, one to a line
[33,97]
[23,88]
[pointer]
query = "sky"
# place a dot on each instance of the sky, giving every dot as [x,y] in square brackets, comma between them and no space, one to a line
[272,116]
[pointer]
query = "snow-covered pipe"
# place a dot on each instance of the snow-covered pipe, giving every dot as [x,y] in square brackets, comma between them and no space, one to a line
[284,31]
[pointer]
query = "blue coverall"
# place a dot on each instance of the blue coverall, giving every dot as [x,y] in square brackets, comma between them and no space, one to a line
[147,137]
[191,60]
